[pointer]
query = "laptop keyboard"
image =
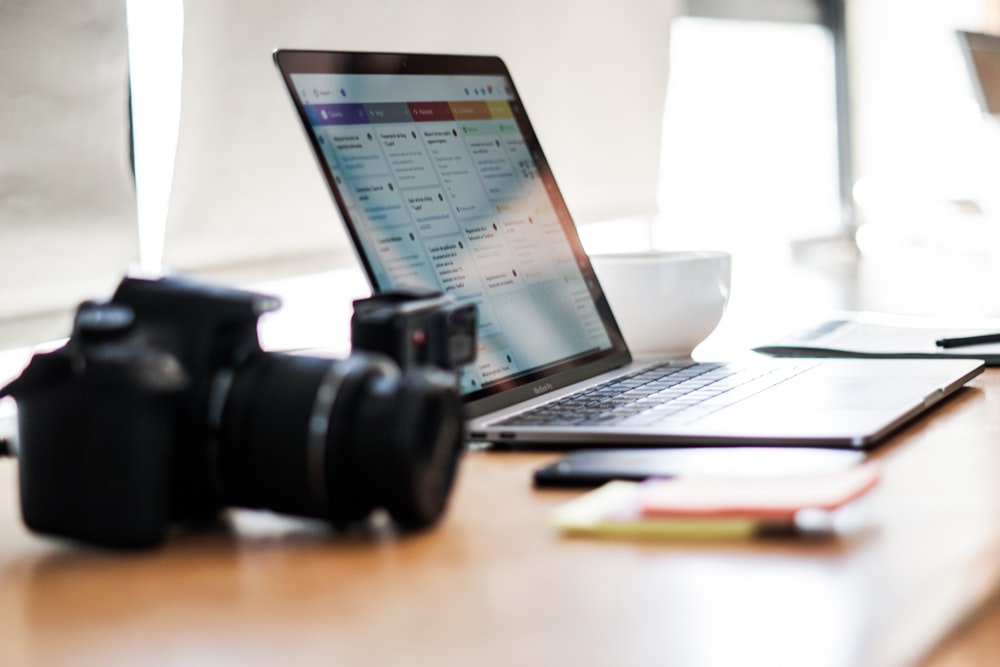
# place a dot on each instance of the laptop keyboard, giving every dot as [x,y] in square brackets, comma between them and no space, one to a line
[667,392]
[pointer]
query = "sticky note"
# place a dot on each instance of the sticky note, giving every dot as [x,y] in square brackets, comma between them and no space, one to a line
[763,498]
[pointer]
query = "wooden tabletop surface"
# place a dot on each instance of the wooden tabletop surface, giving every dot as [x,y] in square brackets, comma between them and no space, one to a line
[495,584]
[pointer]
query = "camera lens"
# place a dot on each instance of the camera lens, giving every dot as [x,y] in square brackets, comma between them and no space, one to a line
[411,459]
[335,439]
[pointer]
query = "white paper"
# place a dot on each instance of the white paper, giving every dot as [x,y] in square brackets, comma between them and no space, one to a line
[878,335]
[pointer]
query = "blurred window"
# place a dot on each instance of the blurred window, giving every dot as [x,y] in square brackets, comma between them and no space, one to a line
[756,135]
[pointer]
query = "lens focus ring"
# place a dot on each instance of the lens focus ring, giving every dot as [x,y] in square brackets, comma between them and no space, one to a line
[317,438]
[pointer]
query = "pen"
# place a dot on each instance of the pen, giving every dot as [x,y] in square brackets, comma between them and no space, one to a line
[968,340]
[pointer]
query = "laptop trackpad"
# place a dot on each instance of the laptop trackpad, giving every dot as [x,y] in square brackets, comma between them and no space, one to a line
[821,406]
[817,391]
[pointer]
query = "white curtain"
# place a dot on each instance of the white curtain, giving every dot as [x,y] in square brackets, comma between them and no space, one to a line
[67,207]
[592,76]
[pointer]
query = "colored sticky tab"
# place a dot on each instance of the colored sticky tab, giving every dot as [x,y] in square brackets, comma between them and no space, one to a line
[762,498]
[723,508]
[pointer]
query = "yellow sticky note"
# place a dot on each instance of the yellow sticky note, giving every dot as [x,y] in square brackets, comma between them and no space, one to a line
[613,511]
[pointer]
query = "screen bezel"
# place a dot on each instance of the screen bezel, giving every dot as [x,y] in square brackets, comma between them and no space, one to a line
[532,382]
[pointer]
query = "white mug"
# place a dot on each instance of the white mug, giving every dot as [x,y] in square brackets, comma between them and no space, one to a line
[665,302]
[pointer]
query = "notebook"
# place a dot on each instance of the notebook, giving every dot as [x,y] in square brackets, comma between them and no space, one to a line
[442,183]
[880,335]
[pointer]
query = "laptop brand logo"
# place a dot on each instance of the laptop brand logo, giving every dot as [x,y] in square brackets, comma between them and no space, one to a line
[542,388]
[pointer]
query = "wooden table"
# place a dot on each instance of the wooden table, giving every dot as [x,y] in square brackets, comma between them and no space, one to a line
[494,584]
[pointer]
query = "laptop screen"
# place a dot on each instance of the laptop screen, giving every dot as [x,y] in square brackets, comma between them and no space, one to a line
[442,184]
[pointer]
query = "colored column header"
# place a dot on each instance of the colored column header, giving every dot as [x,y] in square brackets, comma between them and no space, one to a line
[469,110]
[404,112]
[336,114]
[499,109]
[430,111]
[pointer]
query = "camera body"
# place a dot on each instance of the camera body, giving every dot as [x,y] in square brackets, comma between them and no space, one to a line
[416,328]
[162,408]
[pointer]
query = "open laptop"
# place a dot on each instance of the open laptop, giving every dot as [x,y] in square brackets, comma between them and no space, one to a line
[442,184]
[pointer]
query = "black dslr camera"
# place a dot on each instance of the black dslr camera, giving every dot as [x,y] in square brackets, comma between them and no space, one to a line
[162,408]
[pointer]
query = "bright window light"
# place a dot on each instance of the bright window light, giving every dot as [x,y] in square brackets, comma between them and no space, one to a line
[155,41]
[750,138]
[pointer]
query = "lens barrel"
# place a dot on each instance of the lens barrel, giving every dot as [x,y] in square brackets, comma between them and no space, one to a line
[336,439]
[409,437]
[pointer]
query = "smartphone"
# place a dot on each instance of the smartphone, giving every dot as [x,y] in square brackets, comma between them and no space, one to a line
[593,467]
